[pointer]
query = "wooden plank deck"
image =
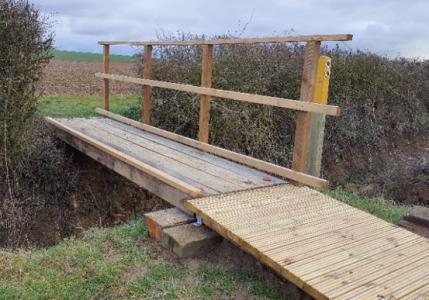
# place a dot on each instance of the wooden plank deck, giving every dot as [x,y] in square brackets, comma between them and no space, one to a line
[212,174]
[327,248]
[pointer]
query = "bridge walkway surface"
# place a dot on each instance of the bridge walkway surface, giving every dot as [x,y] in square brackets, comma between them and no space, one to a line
[327,248]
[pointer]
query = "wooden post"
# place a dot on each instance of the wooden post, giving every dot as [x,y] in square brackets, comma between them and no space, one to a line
[318,120]
[301,149]
[206,81]
[106,67]
[147,90]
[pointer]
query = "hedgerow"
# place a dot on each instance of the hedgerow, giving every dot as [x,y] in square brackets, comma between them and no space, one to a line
[383,100]
[29,167]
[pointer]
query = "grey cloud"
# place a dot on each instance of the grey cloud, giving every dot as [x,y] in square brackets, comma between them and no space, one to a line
[393,27]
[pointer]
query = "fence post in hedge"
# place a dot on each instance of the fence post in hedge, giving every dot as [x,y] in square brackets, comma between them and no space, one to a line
[106,67]
[301,151]
[147,90]
[206,81]
[318,120]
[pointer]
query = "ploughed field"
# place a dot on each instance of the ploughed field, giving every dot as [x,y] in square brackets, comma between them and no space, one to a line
[76,78]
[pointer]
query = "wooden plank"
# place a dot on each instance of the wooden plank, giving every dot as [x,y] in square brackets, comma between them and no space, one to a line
[147,89]
[305,106]
[186,171]
[359,275]
[295,200]
[264,228]
[270,228]
[318,121]
[299,38]
[334,260]
[350,255]
[395,285]
[211,221]
[362,271]
[244,171]
[201,167]
[318,249]
[246,160]
[142,179]
[272,214]
[290,253]
[419,294]
[166,178]
[328,241]
[120,143]
[206,81]
[106,69]
[307,231]
[303,119]
[267,211]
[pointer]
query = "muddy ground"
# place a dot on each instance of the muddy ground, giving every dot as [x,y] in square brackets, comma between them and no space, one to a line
[76,78]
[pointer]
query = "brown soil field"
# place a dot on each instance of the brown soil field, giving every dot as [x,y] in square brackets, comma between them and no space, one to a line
[76,78]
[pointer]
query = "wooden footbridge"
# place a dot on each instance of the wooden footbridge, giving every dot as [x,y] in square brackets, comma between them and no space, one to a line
[325,247]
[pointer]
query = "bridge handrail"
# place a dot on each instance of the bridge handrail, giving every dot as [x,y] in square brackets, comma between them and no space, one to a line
[311,107]
[265,40]
[308,106]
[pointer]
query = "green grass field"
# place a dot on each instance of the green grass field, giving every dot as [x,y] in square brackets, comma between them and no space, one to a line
[84,56]
[118,263]
[82,106]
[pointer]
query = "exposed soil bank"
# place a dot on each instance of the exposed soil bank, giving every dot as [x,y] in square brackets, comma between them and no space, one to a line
[400,174]
[103,198]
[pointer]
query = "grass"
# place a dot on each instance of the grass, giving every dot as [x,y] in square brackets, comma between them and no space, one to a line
[382,208]
[82,106]
[85,56]
[116,263]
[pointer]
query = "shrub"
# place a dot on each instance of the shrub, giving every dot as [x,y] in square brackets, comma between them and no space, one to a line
[24,51]
[26,165]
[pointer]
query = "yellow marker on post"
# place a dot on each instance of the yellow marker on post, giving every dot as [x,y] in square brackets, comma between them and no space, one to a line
[320,96]
[322,80]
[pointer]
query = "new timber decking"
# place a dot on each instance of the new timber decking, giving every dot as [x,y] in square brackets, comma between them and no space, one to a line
[327,248]
[207,172]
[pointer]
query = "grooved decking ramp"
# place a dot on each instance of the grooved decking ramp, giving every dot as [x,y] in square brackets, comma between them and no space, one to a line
[327,248]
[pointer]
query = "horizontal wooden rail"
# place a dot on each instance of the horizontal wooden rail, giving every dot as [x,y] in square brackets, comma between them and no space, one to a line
[246,160]
[298,38]
[164,177]
[253,98]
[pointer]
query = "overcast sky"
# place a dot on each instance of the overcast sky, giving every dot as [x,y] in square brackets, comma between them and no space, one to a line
[391,27]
